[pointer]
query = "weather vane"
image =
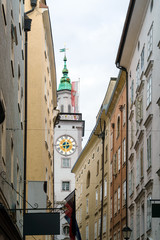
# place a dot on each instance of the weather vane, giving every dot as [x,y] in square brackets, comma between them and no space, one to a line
[63,49]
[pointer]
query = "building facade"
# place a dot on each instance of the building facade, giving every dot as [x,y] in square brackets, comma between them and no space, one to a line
[68,145]
[41,110]
[138,53]
[11,118]
[117,136]
[92,178]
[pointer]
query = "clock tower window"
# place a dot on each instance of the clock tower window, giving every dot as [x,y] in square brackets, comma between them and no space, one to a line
[65,186]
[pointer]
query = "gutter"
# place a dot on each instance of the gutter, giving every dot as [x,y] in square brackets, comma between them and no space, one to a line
[125,31]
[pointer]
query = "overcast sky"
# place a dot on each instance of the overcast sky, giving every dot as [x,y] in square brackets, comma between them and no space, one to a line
[91,30]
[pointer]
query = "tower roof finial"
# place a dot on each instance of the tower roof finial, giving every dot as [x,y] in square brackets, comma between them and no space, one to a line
[65,83]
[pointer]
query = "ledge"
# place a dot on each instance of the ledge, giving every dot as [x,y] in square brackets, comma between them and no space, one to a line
[148,68]
[148,120]
[149,183]
[142,192]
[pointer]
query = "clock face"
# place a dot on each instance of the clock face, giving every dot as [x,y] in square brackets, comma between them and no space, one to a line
[65,145]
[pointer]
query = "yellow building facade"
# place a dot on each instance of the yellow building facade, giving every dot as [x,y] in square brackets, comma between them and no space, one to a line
[42,113]
[92,179]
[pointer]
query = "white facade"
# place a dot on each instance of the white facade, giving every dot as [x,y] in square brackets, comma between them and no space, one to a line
[141,58]
[70,126]
[11,129]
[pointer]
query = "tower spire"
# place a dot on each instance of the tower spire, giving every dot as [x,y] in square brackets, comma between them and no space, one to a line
[65,82]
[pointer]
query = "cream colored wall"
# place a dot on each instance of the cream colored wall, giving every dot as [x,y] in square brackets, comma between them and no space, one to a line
[40,108]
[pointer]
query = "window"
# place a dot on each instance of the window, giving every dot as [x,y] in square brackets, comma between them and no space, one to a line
[66,186]
[119,198]
[3,141]
[96,197]
[124,150]
[124,193]
[111,209]
[149,212]
[45,130]
[66,230]
[115,236]
[69,108]
[131,182]
[111,172]
[104,223]
[118,235]
[124,114]
[142,219]
[138,170]
[139,109]
[105,188]
[132,134]
[65,162]
[12,161]
[119,158]
[88,179]
[137,76]
[62,108]
[99,226]
[132,92]
[18,182]
[106,153]
[101,193]
[4,14]
[115,164]
[149,90]
[97,167]
[115,202]
[87,205]
[141,161]
[150,41]
[149,151]
[142,59]
[95,230]
[111,141]
[87,232]
[118,126]
[138,223]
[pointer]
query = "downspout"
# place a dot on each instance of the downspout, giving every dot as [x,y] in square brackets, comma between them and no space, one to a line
[102,135]
[125,70]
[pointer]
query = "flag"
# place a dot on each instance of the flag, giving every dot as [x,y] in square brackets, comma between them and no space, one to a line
[75,96]
[62,50]
[70,216]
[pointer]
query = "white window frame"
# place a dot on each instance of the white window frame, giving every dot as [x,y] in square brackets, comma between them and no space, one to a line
[65,188]
[66,162]
[105,187]
[119,158]
[149,151]
[149,90]
[149,212]
[119,194]
[150,41]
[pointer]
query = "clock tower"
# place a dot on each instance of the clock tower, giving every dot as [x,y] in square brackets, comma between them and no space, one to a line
[68,144]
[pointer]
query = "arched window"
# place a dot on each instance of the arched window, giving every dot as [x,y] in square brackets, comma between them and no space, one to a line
[66,230]
[88,179]
[69,108]
[118,126]
[62,108]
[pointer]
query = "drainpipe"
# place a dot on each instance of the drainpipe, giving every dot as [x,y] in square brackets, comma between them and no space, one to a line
[125,70]
[102,136]
[27,28]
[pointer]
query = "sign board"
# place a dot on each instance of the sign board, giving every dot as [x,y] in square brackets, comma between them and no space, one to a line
[42,224]
[156,210]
